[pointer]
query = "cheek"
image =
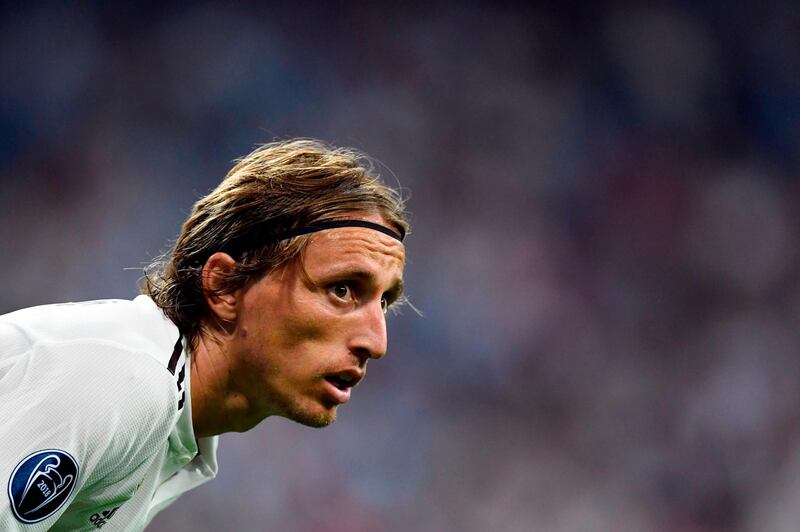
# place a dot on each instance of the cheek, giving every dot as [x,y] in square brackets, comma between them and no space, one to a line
[310,320]
[282,330]
[299,332]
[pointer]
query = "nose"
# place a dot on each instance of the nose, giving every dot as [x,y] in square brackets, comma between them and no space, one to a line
[369,339]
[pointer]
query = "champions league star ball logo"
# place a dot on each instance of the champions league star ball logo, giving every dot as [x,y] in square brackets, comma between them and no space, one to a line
[41,483]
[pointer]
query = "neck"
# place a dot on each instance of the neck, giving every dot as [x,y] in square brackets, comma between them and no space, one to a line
[217,407]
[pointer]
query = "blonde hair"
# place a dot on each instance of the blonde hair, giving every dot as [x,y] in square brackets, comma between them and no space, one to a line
[277,188]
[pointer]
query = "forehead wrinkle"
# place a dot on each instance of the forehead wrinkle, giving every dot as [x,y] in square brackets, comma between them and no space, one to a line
[383,245]
[356,251]
[369,260]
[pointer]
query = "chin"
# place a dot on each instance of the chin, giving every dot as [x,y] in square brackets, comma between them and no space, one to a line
[317,419]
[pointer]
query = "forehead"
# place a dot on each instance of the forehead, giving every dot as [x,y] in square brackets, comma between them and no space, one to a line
[355,246]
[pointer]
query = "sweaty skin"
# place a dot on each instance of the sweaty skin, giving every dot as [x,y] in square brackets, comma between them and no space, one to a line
[295,341]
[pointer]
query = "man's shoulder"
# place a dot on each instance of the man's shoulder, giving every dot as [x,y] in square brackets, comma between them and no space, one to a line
[124,354]
[135,326]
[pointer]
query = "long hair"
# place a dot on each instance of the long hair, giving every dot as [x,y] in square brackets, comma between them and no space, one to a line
[278,187]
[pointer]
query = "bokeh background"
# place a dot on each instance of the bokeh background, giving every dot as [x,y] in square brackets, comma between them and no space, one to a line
[605,199]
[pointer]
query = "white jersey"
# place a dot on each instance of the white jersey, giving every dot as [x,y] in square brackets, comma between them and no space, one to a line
[95,417]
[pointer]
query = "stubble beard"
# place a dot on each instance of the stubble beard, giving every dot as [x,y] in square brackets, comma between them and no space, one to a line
[315,420]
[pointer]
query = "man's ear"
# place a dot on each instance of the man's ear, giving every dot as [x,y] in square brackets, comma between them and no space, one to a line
[217,268]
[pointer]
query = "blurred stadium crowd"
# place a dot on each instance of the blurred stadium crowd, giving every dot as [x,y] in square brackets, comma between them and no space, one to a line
[605,201]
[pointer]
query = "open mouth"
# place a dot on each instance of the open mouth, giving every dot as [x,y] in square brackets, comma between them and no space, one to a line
[343,380]
[341,383]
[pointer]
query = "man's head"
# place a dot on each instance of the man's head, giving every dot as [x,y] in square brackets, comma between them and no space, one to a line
[278,187]
[302,334]
[299,316]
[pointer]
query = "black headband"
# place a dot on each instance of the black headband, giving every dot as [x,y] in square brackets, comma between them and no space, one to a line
[334,224]
[256,237]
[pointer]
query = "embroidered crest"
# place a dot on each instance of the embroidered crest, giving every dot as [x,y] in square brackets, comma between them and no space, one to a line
[41,483]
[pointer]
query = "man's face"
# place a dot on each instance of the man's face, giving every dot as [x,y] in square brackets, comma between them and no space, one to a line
[305,332]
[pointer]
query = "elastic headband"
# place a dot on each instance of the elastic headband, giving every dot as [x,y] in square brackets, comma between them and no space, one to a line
[334,224]
[254,238]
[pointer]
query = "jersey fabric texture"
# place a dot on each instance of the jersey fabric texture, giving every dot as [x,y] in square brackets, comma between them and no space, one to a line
[95,417]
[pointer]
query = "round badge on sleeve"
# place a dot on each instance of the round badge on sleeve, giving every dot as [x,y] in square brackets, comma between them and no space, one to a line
[41,483]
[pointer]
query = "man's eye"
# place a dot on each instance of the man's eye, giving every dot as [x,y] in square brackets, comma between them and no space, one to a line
[342,291]
[384,304]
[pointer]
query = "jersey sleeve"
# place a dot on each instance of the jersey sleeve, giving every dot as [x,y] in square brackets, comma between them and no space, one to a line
[75,414]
